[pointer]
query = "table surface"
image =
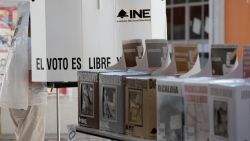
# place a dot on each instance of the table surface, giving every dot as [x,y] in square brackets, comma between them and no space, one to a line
[108,135]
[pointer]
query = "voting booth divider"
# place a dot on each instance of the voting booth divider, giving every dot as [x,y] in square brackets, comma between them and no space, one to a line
[88,34]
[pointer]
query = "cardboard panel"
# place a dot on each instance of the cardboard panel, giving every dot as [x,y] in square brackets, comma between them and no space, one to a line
[56,38]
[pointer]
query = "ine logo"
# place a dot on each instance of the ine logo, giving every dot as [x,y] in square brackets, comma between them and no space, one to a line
[138,15]
[122,14]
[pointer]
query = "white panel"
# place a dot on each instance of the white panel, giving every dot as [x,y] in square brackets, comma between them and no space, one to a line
[108,31]
[99,33]
[38,42]
[159,24]
[56,39]
[64,38]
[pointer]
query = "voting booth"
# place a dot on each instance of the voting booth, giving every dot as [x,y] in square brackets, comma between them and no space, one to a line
[69,36]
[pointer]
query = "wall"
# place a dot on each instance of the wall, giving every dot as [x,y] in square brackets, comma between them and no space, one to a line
[237,22]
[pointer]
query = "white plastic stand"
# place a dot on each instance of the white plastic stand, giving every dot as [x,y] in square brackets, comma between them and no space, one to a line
[58,114]
[109,135]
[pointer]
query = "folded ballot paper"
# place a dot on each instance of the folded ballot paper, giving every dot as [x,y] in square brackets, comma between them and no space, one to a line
[229,110]
[156,56]
[242,69]
[131,51]
[185,61]
[185,57]
[222,61]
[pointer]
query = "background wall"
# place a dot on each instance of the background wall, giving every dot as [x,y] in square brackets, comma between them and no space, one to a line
[237,22]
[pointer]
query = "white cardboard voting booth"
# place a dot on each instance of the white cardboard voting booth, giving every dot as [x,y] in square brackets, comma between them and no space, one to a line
[73,35]
[56,38]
